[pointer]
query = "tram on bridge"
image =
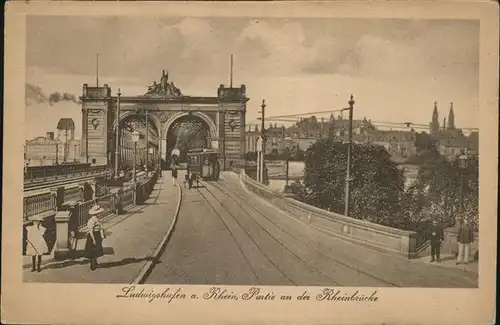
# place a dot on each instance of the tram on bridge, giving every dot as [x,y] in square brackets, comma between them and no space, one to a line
[204,164]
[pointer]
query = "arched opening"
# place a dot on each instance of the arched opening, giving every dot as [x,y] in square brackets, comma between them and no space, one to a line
[145,153]
[185,133]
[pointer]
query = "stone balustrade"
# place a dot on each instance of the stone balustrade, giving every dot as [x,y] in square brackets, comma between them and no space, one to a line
[362,232]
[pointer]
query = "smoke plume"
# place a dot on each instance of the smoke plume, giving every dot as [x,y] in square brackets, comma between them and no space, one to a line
[35,95]
[65,97]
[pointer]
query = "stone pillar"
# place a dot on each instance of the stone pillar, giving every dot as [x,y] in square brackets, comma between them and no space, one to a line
[61,248]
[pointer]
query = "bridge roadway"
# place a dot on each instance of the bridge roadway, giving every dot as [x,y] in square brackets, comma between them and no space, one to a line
[224,235]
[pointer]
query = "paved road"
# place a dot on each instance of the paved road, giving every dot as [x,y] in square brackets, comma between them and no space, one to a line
[224,235]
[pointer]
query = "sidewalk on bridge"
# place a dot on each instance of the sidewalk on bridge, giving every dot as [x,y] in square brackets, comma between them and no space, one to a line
[450,261]
[132,238]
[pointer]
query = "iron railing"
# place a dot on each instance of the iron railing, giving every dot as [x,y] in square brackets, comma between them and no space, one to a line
[38,204]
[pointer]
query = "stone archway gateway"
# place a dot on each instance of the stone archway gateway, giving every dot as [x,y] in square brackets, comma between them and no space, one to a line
[223,115]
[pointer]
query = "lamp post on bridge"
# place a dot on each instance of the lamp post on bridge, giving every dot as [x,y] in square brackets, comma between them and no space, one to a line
[349,158]
[135,139]
[462,162]
[117,137]
[287,166]
[147,144]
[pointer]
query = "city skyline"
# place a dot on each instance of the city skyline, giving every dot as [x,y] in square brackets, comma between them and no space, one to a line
[395,68]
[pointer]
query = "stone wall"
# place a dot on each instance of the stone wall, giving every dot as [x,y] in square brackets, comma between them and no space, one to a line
[358,231]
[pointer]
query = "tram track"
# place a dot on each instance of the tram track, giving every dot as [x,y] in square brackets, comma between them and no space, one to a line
[233,195]
[276,240]
[236,240]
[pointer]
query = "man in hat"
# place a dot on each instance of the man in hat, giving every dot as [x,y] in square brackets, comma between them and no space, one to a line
[36,244]
[436,236]
[465,239]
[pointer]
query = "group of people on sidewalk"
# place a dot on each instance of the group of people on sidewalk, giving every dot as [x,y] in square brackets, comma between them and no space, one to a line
[465,238]
[37,245]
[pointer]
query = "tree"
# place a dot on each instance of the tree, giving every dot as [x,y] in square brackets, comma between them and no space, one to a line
[377,184]
[425,142]
[437,192]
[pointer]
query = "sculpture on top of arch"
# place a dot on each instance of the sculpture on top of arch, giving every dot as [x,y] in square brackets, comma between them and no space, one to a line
[164,88]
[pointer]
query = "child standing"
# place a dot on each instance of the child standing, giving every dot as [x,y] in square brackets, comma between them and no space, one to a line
[37,246]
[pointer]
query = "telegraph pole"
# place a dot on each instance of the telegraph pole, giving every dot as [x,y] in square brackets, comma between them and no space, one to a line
[262,131]
[349,158]
[117,137]
[66,147]
[147,145]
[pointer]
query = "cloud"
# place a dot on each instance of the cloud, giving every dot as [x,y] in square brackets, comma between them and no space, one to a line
[278,49]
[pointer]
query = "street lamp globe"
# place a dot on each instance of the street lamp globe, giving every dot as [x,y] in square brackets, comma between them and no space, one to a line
[135,136]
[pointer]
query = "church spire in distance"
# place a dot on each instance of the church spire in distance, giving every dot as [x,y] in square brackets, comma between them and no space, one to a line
[434,127]
[451,118]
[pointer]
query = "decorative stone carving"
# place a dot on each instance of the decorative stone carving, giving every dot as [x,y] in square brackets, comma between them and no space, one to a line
[164,88]
[165,116]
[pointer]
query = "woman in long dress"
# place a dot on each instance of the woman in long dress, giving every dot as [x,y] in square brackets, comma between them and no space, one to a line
[37,246]
[93,245]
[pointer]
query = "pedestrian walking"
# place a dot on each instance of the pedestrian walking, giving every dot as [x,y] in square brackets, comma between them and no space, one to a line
[93,245]
[174,175]
[37,246]
[465,239]
[436,236]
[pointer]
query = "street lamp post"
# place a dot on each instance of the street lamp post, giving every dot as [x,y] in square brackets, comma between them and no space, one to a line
[287,153]
[159,152]
[135,139]
[462,160]
[349,158]
[147,144]
[117,136]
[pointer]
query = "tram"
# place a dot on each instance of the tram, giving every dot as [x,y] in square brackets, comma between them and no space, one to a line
[204,164]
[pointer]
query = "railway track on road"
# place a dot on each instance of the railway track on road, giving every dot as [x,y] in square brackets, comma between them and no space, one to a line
[43,185]
[264,232]
[235,197]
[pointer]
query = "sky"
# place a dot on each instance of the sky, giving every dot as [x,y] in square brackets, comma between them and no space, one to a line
[395,68]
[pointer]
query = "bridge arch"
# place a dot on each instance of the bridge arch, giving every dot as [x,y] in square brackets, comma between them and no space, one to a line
[172,119]
[169,140]
[135,120]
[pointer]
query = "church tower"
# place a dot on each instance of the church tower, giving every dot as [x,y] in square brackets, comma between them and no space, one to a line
[451,118]
[434,125]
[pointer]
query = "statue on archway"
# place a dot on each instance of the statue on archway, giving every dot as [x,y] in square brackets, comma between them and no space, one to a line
[164,88]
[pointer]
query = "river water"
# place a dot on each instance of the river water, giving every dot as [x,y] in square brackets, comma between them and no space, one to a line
[297,168]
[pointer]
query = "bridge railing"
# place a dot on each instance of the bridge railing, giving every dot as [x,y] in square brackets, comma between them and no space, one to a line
[46,204]
[40,204]
[81,211]
[358,231]
[72,202]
